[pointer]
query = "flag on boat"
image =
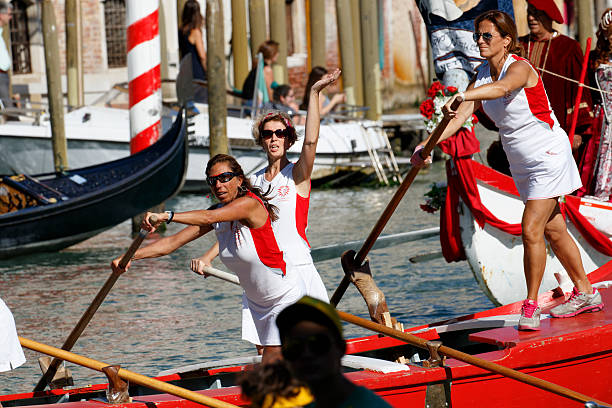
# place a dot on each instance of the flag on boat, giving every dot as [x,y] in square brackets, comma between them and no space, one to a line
[450,26]
[260,82]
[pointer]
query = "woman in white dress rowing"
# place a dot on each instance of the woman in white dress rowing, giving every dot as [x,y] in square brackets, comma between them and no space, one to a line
[289,184]
[512,94]
[289,188]
[248,247]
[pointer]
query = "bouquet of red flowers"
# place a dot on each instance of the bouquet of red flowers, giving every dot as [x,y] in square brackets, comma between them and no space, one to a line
[431,108]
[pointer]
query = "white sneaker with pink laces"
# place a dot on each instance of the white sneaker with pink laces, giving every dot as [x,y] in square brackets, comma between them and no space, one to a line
[578,303]
[530,316]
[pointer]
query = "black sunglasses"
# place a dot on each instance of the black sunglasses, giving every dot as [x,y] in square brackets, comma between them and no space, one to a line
[487,37]
[280,133]
[223,178]
[317,344]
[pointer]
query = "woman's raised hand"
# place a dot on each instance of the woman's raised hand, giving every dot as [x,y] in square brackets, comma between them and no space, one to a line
[326,80]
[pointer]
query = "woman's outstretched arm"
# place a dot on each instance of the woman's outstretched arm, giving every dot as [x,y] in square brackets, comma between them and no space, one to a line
[303,168]
[163,246]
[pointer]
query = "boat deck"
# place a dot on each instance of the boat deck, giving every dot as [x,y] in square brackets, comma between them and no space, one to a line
[505,337]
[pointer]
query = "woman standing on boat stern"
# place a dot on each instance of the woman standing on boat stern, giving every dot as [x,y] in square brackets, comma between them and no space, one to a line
[242,223]
[512,94]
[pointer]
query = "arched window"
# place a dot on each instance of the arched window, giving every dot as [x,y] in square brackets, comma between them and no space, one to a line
[20,39]
[114,23]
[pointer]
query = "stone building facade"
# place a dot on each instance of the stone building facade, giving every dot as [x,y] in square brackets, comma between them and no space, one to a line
[405,67]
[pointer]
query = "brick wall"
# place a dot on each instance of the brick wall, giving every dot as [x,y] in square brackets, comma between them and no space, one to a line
[92,15]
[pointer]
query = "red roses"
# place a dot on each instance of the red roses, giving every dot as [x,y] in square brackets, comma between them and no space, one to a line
[427,108]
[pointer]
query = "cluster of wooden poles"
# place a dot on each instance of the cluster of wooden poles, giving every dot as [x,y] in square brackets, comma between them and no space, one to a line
[65,354]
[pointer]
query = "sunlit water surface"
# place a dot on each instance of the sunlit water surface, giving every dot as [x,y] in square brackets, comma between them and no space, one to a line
[160,315]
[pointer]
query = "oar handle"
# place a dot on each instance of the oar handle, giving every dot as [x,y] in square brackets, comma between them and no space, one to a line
[142,234]
[467,358]
[226,276]
[92,309]
[125,374]
[397,197]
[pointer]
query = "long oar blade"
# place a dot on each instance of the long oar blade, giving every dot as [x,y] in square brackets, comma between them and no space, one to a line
[397,197]
[476,361]
[124,374]
[91,310]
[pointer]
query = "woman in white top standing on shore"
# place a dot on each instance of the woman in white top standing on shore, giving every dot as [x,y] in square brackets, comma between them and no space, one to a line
[512,94]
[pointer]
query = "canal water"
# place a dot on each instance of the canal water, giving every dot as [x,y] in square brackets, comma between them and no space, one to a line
[160,315]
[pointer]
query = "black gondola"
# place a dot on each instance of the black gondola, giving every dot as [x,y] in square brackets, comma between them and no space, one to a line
[49,212]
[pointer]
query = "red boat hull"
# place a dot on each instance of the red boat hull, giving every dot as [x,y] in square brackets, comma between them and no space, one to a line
[575,353]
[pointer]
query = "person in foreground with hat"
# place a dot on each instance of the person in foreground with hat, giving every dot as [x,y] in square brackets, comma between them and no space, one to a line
[558,59]
[313,346]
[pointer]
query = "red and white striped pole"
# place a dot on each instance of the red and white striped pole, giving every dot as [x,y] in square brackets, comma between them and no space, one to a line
[144,58]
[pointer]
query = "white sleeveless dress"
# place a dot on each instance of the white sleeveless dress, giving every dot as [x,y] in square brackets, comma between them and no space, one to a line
[290,227]
[538,149]
[269,283]
[11,353]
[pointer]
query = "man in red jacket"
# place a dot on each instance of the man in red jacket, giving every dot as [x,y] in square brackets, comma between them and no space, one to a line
[554,54]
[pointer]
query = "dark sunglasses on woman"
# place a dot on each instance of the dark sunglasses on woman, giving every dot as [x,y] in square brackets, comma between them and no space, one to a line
[318,344]
[487,37]
[280,133]
[223,178]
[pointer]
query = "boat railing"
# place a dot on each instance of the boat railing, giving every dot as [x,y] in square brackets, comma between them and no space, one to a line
[22,114]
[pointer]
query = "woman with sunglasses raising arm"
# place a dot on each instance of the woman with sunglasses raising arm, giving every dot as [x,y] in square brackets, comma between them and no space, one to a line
[248,247]
[511,93]
[289,187]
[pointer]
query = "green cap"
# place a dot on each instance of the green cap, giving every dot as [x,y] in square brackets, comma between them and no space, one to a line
[311,309]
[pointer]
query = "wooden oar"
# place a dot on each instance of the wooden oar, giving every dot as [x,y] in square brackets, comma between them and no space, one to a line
[397,197]
[326,252]
[426,257]
[125,374]
[226,276]
[476,361]
[91,310]
[585,64]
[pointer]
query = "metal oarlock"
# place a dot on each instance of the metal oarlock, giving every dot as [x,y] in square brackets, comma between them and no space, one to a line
[435,360]
[117,391]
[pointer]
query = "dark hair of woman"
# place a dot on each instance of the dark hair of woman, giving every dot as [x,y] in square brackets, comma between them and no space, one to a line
[191,18]
[505,26]
[274,115]
[601,53]
[246,184]
[316,74]
[280,91]
[272,379]
[268,49]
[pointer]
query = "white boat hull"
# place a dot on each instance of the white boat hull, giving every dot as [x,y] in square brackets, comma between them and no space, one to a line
[95,135]
[496,257]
